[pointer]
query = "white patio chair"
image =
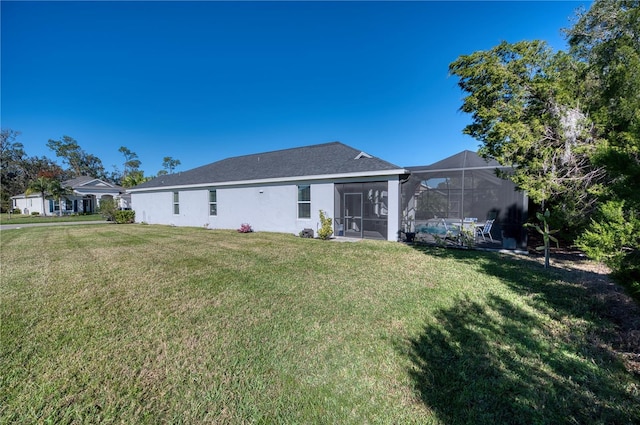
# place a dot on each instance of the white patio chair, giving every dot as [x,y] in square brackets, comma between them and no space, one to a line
[485,230]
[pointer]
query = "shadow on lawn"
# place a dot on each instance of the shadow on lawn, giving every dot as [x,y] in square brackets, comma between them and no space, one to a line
[499,362]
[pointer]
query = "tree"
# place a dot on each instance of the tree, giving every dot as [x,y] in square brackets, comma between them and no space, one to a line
[607,39]
[41,186]
[58,191]
[570,125]
[131,161]
[108,209]
[134,178]
[40,166]
[169,164]
[524,102]
[11,157]
[80,163]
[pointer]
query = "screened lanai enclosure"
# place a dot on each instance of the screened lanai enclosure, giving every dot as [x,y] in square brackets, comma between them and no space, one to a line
[463,192]
[361,210]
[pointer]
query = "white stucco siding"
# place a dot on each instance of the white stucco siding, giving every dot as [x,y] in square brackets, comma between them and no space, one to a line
[157,208]
[29,205]
[271,208]
[394,209]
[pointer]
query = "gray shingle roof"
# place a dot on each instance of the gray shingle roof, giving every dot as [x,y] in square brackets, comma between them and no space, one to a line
[464,159]
[325,159]
[78,182]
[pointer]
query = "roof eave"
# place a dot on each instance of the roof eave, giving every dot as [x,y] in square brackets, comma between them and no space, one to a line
[380,173]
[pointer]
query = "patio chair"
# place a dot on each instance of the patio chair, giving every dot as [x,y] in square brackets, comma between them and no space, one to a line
[485,230]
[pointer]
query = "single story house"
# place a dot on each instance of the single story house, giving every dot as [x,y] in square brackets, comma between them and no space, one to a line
[86,197]
[367,197]
[281,191]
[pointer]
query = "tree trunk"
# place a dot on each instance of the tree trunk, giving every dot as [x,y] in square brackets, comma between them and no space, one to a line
[546,256]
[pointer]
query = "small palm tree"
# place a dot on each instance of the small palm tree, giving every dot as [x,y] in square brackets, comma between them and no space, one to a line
[40,185]
[57,190]
[546,233]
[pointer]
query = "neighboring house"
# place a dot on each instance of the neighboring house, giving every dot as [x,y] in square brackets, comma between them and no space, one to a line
[280,191]
[86,197]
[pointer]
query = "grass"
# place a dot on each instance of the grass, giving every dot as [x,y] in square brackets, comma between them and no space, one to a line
[26,219]
[151,324]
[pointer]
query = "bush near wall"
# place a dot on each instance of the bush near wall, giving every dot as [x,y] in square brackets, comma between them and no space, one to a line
[125,216]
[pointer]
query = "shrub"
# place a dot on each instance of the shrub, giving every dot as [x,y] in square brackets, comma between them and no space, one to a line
[125,216]
[35,213]
[108,209]
[326,226]
[245,228]
[613,239]
[16,211]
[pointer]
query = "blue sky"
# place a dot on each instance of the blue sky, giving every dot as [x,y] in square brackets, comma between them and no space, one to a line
[202,81]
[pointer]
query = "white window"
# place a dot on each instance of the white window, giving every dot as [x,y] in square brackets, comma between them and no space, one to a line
[213,202]
[304,201]
[176,202]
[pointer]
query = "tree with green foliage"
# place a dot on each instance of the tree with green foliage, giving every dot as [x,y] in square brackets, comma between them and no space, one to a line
[526,111]
[80,163]
[131,161]
[41,186]
[607,39]
[569,124]
[58,191]
[169,164]
[108,208]
[11,156]
[133,178]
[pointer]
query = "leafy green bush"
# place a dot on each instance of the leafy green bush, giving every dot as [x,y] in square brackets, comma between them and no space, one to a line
[16,211]
[125,216]
[614,238]
[35,213]
[326,226]
[108,209]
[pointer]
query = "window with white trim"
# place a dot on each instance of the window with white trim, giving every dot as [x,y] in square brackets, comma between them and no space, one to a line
[213,202]
[176,202]
[304,201]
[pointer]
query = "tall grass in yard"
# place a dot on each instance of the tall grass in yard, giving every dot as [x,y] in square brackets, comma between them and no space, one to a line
[148,324]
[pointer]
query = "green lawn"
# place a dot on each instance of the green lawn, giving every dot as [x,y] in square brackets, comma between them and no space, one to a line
[152,324]
[25,219]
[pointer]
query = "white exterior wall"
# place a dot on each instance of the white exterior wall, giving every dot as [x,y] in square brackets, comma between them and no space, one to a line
[267,207]
[393,225]
[270,208]
[30,204]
